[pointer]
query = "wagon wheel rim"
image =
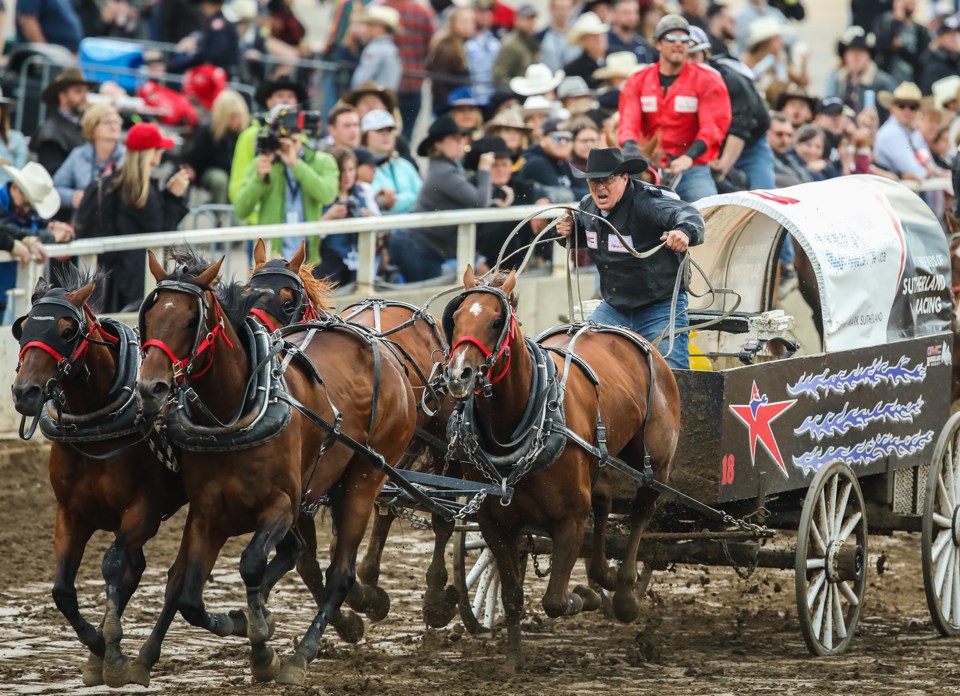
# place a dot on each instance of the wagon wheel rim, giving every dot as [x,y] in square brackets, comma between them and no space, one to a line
[940,539]
[831,560]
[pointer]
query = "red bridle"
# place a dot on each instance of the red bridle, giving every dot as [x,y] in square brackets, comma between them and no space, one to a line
[308,315]
[503,351]
[181,366]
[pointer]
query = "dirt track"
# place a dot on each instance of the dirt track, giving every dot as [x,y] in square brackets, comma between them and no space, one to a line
[702,631]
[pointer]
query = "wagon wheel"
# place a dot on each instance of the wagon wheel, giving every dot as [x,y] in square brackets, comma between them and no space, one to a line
[941,531]
[831,563]
[477,579]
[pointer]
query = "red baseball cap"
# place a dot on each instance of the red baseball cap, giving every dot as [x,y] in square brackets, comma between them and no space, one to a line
[146,136]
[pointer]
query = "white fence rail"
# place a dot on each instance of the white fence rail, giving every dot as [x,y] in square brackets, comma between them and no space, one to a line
[466,221]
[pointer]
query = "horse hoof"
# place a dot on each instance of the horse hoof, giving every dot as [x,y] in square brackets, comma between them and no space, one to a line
[514,663]
[92,674]
[350,627]
[378,605]
[116,667]
[264,663]
[239,619]
[574,605]
[626,608]
[437,613]
[294,672]
[591,599]
[138,673]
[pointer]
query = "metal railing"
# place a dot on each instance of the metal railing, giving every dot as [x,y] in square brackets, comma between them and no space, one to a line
[237,265]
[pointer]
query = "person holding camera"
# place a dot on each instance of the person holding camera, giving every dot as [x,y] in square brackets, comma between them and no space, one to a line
[290,183]
[338,252]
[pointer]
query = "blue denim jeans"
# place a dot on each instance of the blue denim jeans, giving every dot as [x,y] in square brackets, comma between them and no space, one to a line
[756,162]
[416,260]
[696,183]
[650,322]
[409,104]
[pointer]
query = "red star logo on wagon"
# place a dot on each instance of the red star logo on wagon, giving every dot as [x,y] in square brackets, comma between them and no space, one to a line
[757,416]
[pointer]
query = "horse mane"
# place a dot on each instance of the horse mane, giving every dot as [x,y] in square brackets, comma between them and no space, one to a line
[497,281]
[235,297]
[71,278]
[318,291]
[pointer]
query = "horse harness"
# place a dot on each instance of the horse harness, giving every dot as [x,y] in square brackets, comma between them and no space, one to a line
[261,417]
[120,417]
[274,276]
[540,437]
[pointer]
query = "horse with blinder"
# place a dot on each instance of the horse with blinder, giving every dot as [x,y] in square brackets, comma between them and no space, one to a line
[75,377]
[192,348]
[592,386]
[294,295]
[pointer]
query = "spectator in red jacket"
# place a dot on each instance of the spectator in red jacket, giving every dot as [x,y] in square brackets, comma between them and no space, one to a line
[686,104]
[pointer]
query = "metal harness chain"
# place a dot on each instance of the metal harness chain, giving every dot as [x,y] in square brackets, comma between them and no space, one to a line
[536,560]
[741,573]
[757,529]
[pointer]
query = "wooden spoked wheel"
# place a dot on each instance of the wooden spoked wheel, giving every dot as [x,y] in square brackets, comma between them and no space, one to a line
[478,581]
[831,560]
[941,531]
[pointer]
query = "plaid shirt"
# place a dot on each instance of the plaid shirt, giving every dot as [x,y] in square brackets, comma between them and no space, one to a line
[419,24]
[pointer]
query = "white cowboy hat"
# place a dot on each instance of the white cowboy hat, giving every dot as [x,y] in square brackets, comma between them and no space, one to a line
[382,15]
[538,104]
[619,64]
[37,186]
[587,24]
[537,80]
[241,11]
[764,29]
[574,86]
[945,90]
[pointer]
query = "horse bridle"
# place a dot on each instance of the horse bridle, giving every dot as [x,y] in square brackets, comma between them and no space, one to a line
[272,278]
[502,347]
[203,341]
[69,352]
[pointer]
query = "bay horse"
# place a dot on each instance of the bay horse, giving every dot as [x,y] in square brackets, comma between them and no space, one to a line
[293,295]
[192,346]
[632,408]
[113,483]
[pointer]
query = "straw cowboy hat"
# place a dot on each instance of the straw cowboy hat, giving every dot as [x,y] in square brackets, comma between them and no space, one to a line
[905,92]
[587,24]
[37,186]
[537,80]
[764,29]
[619,64]
[608,161]
[65,80]
[388,97]
[382,15]
[509,118]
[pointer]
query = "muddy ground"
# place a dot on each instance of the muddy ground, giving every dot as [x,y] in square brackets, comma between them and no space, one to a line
[702,631]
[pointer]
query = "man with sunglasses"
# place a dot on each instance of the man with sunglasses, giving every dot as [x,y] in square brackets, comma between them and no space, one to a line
[686,105]
[900,147]
[637,292]
[548,164]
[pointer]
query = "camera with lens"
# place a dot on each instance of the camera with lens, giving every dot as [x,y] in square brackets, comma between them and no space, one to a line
[354,207]
[286,122]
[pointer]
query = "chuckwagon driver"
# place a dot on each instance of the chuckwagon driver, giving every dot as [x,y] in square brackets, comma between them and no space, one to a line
[636,292]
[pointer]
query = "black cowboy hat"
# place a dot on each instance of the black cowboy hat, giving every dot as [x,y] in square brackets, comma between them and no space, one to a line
[267,90]
[67,78]
[482,146]
[608,161]
[856,37]
[439,129]
[784,97]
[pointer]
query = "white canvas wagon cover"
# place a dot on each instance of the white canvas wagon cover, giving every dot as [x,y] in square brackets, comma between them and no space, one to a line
[879,254]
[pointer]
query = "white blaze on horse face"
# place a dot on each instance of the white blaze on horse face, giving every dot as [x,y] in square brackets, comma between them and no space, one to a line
[475,309]
[457,368]
[168,305]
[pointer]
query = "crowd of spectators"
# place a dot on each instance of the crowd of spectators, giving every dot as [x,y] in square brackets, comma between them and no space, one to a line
[511,101]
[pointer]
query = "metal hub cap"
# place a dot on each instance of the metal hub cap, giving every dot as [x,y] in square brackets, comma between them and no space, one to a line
[955,526]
